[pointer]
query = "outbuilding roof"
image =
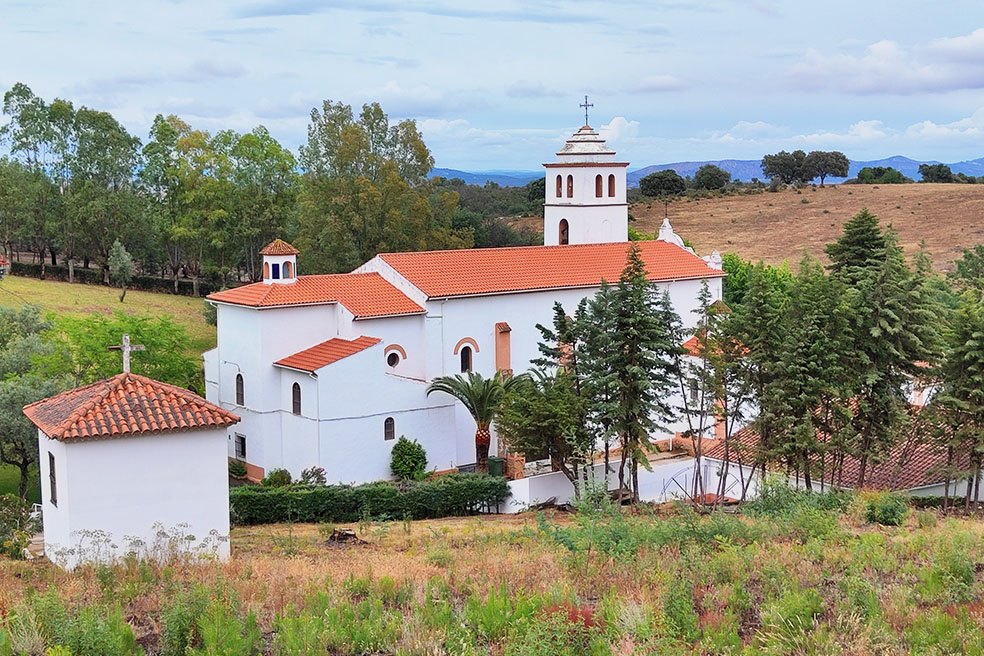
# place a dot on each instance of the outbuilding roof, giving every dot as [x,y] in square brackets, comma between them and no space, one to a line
[325,353]
[125,405]
[363,294]
[476,271]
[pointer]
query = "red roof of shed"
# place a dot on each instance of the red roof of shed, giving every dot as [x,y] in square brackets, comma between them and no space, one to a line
[124,405]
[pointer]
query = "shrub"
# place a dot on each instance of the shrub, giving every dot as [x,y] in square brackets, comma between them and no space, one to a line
[15,525]
[409,459]
[793,612]
[277,478]
[451,495]
[678,610]
[885,508]
[237,469]
[313,476]
[179,621]
[779,499]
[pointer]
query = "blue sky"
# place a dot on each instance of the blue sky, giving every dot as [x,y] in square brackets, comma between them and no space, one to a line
[496,85]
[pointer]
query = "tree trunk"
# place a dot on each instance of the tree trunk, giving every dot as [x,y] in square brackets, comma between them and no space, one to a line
[24,466]
[71,270]
[194,292]
[621,475]
[635,481]
[483,437]
[54,262]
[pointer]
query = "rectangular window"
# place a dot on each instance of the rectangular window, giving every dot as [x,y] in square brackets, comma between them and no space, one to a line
[240,446]
[276,272]
[52,484]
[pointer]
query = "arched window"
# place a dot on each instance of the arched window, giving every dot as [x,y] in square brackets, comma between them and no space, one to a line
[570,186]
[295,397]
[564,237]
[466,359]
[275,270]
[288,273]
[240,392]
[266,270]
[598,186]
[389,429]
[611,186]
[560,186]
[393,359]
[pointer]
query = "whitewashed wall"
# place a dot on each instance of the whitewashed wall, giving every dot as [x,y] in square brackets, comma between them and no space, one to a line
[128,487]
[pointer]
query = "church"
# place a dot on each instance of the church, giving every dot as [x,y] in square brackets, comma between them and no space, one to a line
[329,370]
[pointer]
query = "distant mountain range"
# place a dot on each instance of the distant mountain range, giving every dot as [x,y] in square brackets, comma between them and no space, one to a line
[740,169]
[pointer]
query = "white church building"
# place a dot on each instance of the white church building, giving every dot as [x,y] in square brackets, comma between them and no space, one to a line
[329,370]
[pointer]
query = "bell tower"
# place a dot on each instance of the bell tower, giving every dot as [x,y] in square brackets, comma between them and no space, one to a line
[279,263]
[585,192]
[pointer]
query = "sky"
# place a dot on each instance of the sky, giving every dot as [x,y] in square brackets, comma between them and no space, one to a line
[496,85]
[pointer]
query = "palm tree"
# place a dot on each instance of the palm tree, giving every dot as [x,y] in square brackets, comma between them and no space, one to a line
[481,397]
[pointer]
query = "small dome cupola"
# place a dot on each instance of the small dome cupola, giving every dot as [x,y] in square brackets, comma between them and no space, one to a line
[279,262]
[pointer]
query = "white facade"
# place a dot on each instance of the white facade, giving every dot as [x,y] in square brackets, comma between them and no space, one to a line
[155,495]
[345,404]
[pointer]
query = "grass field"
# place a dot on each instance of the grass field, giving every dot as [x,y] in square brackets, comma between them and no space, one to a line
[78,299]
[9,477]
[777,226]
[803,576]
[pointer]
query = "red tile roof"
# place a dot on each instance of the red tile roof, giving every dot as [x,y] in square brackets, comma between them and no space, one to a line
[325,353]
[363,294]
[279,247]
[493,270]
[124,405]
[914,462]
[692,346]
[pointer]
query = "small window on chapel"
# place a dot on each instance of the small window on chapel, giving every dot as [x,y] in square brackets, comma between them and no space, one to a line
[52,483]
[466,359]
[295,395]
[389,429]
[564,237]
[393,359]
[611,186]
[240,446]
[570,186]
[288,270]
[560,186]
[275,271]
[240,390]
[598,186]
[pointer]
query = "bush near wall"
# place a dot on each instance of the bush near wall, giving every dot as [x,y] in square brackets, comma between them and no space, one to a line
[451,495]
[93,276]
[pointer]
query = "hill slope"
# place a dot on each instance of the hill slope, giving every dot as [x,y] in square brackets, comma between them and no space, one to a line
[777,226]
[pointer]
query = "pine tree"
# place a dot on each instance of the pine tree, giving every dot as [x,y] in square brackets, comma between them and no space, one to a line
[959,404]
[633,367]
[858,248]
[757,325]
[893,329]
[811,381]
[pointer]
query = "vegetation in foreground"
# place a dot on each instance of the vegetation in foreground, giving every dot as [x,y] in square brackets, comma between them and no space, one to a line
[796,574]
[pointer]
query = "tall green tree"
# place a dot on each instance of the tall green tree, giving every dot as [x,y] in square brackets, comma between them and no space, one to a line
[121,267]
[711,177]
[861,246]
[631,368]
[822,163]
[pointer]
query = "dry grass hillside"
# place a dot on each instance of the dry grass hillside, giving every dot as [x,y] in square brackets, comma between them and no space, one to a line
[778,226]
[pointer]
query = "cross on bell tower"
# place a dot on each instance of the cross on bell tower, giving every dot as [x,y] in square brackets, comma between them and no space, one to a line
[585,105]
[126,348]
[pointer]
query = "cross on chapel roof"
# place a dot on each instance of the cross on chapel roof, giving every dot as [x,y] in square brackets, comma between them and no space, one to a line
[126,348]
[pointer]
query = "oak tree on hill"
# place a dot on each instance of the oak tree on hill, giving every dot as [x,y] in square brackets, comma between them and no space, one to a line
[662,183]
[823,163]
[711,177]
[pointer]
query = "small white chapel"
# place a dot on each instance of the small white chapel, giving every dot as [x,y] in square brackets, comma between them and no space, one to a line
[330,370]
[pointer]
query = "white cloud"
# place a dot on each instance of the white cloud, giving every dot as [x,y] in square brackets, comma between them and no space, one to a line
[885,67]
[619,128]
[656,84]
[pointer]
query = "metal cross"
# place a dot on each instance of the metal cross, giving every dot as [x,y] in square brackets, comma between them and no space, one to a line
[586,105]
[126,348]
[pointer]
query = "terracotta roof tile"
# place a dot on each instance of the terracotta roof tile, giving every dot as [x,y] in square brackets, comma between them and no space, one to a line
[363,294]
[495,270]
[325,353]
[279,247]
[124,405]
[914,462]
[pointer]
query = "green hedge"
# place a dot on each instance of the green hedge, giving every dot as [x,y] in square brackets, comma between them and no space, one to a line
[451,495]
[93,276]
